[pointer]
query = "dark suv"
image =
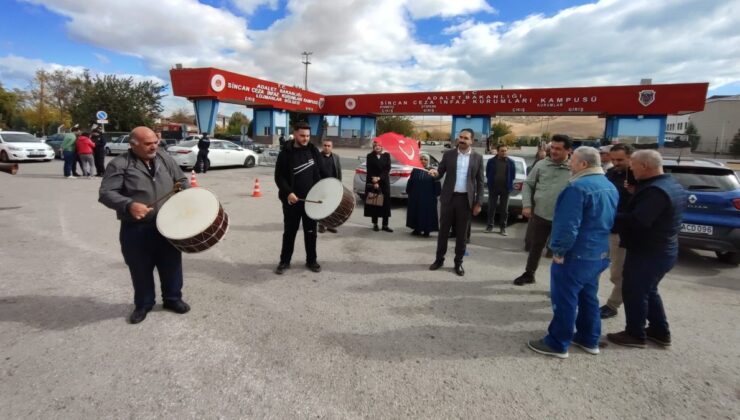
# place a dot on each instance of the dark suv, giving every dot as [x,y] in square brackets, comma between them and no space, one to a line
[712,217]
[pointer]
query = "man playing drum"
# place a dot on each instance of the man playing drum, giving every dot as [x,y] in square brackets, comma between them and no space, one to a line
[297,169]
[133,185]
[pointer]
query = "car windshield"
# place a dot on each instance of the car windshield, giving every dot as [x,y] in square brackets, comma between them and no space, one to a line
[188,143]
[19,138]
[705,179]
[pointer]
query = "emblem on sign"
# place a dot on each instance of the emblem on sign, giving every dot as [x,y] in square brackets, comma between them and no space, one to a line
[350,103]
[321,103]
[218,83]
[646,97]
[692,199]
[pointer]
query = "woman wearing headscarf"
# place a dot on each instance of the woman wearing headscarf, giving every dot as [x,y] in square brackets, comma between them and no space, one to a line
[422,191]
[378,181]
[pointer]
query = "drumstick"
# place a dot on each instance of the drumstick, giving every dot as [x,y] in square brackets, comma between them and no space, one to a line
[310,201]
[175,188]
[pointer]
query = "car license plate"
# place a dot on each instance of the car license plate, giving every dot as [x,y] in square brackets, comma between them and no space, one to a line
[700,229]
[36,155]
[173,153]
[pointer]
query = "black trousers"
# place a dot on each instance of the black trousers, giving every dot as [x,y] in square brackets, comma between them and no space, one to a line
[458,213]
[540,231]
[292,217]
[99,162]
[202,164]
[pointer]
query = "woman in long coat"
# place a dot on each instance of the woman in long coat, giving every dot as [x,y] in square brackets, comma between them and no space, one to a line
[378,181]
[422,191]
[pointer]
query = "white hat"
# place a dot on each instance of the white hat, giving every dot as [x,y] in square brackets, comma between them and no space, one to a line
[605,149]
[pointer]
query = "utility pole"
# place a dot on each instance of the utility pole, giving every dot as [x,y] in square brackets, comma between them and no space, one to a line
[306,62]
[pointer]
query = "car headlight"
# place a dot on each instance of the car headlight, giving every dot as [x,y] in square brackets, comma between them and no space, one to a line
[49,149]
[16,148]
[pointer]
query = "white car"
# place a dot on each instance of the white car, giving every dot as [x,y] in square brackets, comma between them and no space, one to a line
[17,145]
[117,145]
[220,153]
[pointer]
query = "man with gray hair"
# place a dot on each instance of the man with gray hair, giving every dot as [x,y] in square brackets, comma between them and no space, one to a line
[583,217]
[648,229]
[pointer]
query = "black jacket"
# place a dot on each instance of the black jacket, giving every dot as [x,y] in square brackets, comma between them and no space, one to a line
[284,178]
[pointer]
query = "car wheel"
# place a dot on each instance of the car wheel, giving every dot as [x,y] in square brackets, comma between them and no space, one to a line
[4,157]
[107,152]
[728,257]
[249,162]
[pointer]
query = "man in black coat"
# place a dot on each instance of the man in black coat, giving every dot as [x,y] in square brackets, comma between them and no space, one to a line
[202,164]
[331,166]
[99,152]
[298,169]
[461,197]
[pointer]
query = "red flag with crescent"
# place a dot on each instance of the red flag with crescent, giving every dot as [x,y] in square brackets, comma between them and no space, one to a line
[405,150]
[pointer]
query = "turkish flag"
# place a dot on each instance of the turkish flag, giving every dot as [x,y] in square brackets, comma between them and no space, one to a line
[404,149]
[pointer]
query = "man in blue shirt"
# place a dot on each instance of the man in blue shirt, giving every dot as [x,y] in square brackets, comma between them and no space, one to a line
[583,218]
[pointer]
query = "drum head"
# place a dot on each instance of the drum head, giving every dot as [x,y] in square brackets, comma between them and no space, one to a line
[187,213]
[329,191]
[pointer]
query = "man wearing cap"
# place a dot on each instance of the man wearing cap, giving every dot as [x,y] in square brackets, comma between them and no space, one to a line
[606,160]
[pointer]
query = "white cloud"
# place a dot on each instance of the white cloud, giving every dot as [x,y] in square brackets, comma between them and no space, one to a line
[421,9]
[249,6]
[102,58]
[18,71]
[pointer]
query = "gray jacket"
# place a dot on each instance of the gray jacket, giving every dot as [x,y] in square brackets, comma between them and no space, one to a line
[474,182]
[543,185]
[127,180]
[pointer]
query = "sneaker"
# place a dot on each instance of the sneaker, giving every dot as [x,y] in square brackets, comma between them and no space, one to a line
[177,306]
[589,350]
[661,339]
[624,339]
[540,347]
[282,267]
[607,312]
[73,177]
[526,278]
[314,266]
[502,232]
[489,229]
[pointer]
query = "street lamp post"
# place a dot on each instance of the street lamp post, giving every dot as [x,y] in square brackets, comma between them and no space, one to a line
[306,62]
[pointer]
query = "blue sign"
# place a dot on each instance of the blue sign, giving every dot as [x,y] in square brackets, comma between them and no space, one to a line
[102,115]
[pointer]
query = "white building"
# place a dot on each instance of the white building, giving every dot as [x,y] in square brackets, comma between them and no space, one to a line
[675,126]
[717,124]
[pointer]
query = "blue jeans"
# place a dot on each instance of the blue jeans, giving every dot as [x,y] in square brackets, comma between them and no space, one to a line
[575,306]
[69,162]
[640,278]
[144,248]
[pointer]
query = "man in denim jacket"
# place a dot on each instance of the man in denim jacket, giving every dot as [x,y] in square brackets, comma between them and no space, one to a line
[583,218]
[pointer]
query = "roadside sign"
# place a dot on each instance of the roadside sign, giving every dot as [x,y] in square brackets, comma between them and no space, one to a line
[101,115]
[244,129]
[102,121]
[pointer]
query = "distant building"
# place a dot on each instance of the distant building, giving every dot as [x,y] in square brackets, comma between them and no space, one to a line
[675,126]
[717,124]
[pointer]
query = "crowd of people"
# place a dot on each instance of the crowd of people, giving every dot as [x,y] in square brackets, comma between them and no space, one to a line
[85,150]
[626,219]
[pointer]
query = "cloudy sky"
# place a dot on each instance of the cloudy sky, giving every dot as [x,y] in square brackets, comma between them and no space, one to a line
[368,46]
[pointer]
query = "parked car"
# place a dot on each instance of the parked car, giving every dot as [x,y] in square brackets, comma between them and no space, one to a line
[399,176]
[55,142]
[220,153]
[515,197]
[117,145]
[18,145]
[712,217]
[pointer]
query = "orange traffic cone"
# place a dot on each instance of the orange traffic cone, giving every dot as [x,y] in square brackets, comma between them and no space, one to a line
[257,192]
[193,181]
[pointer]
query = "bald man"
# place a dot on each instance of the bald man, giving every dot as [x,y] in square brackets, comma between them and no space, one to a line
[132,182]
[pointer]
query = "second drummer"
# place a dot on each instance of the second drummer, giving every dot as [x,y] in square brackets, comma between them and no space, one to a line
[297,170]
[132,185]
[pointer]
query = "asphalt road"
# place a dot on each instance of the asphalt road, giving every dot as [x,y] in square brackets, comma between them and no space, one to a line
[375,335]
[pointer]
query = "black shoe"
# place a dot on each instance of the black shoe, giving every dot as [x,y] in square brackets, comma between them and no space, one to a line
[526,278]
[322,229]
[425,234]
[282,267]
[659,338]
[177,306]
[502,232]
[138,315]
[387,229]
[436,264]
[540,347]
[332,230]
[376,228]
[489,229]
[459,270]
[607,312]
[314,266]
[624,339]
[415,233]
